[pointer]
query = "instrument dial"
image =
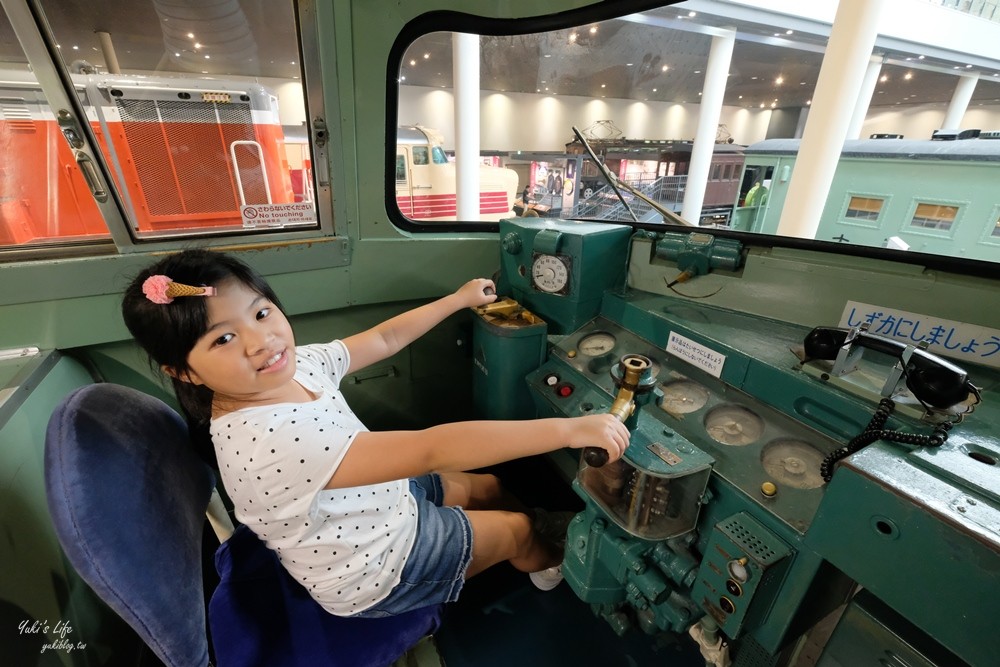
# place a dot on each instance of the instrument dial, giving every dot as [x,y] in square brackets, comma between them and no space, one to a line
[549,273]
[596,344]
[683,397]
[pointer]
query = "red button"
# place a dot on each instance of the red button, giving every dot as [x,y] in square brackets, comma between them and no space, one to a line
[564,390]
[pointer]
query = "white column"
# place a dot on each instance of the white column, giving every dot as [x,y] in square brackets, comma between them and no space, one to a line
[865,97]
[465,55]
[716,73]
[960,101]
[848,52]
[801,125]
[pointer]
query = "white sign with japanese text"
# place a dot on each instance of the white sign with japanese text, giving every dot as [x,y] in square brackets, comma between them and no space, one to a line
[277,215]
[947,338]
[703,357]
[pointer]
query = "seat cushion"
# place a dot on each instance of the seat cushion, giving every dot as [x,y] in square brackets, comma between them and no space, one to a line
[260,616]
[127,497]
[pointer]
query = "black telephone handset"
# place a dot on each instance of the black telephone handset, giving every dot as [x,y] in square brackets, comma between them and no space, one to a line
[931,379]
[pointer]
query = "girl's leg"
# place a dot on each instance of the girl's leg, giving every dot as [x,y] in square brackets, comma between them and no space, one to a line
[478,492]
[500,535]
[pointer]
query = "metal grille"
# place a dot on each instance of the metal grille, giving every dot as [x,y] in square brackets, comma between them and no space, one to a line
[753,538]
[181,154]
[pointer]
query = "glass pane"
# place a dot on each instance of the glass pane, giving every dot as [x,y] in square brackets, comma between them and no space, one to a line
[934,216]
[43,196]
[198,109]
[863,208]
[633,82]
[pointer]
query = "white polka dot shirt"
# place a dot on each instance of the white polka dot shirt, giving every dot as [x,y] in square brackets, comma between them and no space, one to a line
[347,547]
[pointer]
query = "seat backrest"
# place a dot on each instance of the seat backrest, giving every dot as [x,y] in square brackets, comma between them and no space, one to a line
[128,496]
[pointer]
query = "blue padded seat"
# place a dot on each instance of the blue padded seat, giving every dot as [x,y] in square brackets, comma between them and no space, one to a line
[128,497]
[262,617]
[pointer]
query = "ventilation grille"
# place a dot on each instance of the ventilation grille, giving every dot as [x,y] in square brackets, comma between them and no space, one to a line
[15,111]
[181,154]
[754,539]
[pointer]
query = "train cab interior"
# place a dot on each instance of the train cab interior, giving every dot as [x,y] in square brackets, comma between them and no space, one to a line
[686,228]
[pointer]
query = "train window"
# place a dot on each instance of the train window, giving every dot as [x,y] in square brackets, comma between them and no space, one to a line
[934,216]
[864,208]
[44,199]
[197,111]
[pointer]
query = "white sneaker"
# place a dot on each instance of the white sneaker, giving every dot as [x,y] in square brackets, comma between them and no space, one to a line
[546,580]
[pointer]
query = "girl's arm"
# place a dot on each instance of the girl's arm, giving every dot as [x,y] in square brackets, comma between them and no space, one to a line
[388,455]
[391,336]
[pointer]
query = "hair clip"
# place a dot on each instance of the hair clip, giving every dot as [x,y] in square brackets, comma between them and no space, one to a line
[162,290]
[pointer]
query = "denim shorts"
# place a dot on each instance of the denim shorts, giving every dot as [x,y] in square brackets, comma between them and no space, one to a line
[442,549]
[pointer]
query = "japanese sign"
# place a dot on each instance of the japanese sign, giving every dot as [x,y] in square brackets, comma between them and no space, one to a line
[947,338]
[703,357]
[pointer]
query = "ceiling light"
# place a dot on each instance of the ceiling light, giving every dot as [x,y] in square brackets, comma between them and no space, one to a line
[547,55]
[664,68]
[908,76]
[884,78]
[692,14]
[413,63]
[197,45]
[920,57]
[780,80]
[789,32]
[426,56]
[602,85]
[761,105]
[774,104]
[190,35]
[572,37]
[593,30]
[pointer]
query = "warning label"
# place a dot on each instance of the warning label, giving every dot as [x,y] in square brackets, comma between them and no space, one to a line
[277,215]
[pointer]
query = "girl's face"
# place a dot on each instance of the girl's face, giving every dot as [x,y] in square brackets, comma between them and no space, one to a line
[247,355]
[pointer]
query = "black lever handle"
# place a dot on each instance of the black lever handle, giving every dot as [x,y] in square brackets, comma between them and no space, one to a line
[595,457]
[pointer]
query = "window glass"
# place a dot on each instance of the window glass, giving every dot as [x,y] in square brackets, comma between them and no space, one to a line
[934,216]
[634,82]
[44,198]
[197,109]
[863,208]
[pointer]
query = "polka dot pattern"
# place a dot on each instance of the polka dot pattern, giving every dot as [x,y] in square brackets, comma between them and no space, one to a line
[346,546]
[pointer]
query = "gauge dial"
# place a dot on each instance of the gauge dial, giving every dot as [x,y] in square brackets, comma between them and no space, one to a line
[549,273]
[794,463]
[597,343]
[733,425]
[683,396]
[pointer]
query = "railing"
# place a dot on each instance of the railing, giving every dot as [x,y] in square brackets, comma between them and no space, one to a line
[985,9]
[604,204]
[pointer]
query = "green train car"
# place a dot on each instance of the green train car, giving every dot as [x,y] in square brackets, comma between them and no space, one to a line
[935,197]
[813,474]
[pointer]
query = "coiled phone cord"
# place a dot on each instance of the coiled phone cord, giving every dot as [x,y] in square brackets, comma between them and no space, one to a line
[875,431]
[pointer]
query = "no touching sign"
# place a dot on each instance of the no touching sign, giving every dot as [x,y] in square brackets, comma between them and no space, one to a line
[277,215]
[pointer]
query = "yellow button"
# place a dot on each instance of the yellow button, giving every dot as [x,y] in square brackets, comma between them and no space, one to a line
[769,489]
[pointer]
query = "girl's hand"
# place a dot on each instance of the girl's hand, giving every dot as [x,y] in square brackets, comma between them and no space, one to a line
[604,431]
[474,293]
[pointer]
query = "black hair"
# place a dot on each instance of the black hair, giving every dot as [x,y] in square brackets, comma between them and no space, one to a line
[169,332]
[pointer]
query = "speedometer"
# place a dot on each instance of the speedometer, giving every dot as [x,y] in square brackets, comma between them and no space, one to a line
[549,273]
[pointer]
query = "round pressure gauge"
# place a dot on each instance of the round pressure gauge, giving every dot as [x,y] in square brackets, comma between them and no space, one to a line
[549,273]
[597,343]
[683,397]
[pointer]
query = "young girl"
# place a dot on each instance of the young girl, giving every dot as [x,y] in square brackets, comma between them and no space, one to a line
[370,523]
